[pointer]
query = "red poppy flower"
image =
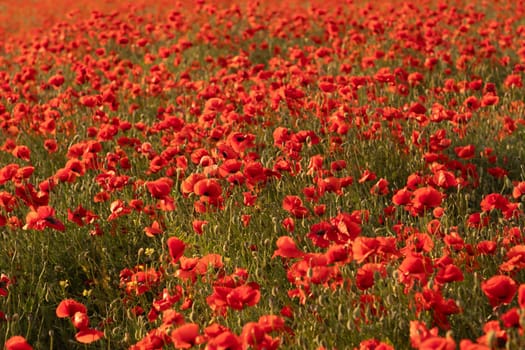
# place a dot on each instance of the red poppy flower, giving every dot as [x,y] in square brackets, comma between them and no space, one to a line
[255,173]
[339,253]
[76,166]
[153,230]
[322,233]
[444,179]
[467,344]
[24,173]
[235,297]
[51,145]
[521,296]
[418,242]
[242,296]
[286,248]
[81,216]
[198,155]
[380,187]
[56,80]
[246,218]
[329,184]
[454,241]
[327,86]
[465,152]
[489,99]
[499,289]
[271,323]
[65,175]
[288,224]
[240,142]
[493,334]
[4,283]
[512,81]
[185,336]
[8,172]
[515,259]
[43,217]
[374,344]
[472,103]
[224,340]
[419,333]
[402,197]
[294,205]
[170,317]
[364,247]
[291,93]
[414,268]
[449,273]
[252,334]
[188,184]
[413,181]
[17,342]
[438,343]
[425,198]
[280,136]
[487,247]
[498,172]
[366,273]
[190,267]
[155,339]
[209,189]
[417,108]
[477,221]
[316,164]
[101,197]
[166,204]
[160,188]
[198,226]
[139,281]
[320,209]
[118,208]
[80,320]
[338,165]
[511,318]
[176,248]
[441,308]
[494,201]
[89,335]
[31,197]
[306,136]
[214,104]
[229,167]
[69,307]
[22,152]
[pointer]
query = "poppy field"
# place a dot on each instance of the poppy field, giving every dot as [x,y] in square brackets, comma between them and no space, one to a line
[262,175]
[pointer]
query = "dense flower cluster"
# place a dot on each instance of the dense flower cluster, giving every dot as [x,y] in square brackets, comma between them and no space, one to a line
[334,165]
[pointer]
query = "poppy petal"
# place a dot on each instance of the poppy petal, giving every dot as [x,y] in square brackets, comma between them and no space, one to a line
[89,335]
